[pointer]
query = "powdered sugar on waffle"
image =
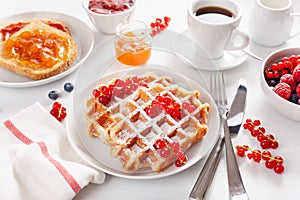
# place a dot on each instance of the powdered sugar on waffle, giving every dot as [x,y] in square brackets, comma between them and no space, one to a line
[123,121]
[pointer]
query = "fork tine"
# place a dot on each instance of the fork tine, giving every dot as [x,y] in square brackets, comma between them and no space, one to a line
[214,86]
[217,88]
[222,88]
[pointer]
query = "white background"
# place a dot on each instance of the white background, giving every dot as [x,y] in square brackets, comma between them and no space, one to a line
[260,182]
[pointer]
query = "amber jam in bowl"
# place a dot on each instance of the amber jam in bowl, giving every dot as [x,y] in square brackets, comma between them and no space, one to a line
[133,43]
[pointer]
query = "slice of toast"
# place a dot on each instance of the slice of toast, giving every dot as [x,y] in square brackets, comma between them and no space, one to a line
[37,48]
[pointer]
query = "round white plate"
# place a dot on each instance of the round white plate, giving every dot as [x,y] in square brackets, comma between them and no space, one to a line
[187,47]
[97,153]
[81,33]
[102,65]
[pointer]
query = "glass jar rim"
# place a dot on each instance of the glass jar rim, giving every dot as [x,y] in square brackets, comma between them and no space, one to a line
[130,26]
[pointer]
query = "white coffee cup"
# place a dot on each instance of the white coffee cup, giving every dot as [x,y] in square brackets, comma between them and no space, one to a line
[213,31]
[271,21]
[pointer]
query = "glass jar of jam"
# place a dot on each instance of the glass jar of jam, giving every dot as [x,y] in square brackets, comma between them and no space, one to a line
[133,43]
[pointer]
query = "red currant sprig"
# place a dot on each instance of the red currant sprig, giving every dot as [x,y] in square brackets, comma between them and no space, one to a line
[266,140]
[170,107]
[119,88]
[159,25]
[58,111]
[164,104]
[275,163]
[166,149]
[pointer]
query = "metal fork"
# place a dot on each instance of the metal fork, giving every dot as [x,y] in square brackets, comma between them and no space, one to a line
[204,180]
[200,189]
[236,187]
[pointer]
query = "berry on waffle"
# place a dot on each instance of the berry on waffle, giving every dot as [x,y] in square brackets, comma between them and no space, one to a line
[147,121]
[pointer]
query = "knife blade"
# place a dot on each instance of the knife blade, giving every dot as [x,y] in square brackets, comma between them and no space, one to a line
[235,115]
[236,186]
[234,121]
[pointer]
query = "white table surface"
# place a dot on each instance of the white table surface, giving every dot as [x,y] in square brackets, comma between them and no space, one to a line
[260,182]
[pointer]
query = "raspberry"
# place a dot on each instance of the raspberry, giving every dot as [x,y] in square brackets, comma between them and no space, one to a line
[288,78]
[283,90]
[296,74]
[298,90]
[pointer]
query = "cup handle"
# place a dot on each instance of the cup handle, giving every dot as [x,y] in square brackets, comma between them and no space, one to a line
[295,14]
[237,41]
[297,33]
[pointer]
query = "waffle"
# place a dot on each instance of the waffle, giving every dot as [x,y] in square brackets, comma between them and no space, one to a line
[127,115]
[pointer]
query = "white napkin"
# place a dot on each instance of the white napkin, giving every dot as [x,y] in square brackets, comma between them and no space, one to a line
[37,160]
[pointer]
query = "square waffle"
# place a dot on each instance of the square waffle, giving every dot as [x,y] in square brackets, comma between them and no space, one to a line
[147,121]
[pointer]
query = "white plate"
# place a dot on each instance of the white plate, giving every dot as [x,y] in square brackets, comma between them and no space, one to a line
[187,47]
[81,33]
[97,153]
[102,65]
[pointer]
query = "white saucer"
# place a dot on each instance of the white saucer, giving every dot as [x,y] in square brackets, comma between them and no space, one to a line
[189,49]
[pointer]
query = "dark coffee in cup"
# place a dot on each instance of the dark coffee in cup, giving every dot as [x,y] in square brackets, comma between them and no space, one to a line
[213,25]
[214,14]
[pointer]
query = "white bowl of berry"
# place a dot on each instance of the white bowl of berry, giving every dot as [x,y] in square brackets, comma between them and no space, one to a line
[106,15]
[280,81]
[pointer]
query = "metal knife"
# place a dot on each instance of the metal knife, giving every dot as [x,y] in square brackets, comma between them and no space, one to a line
[234,121]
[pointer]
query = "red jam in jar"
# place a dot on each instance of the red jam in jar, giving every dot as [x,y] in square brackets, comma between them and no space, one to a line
[109,6]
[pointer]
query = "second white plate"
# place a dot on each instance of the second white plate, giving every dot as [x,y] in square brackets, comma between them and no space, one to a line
[81,33]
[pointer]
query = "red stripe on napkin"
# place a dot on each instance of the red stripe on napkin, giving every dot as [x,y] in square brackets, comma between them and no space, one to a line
[68,177]
[43,147]
[14,130]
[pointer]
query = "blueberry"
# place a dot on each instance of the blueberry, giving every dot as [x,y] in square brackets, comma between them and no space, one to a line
[294,98]
[68,87]
[272,83]
[53,95]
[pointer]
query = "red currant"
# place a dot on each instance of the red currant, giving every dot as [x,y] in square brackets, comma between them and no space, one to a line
[278,159]
[180,162]
[241,152]
[56,105]
[278,169]
[274,144]
[165,152]
[256,122]
[191,108]
[159,144]
[250,155]
[167,19]
[266,155]
[265,144]
[257,158]
[254,133]
[159,98]
[185,105]
[167,100]
[175,146]
[270,164]
[96,93]
[54,112]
